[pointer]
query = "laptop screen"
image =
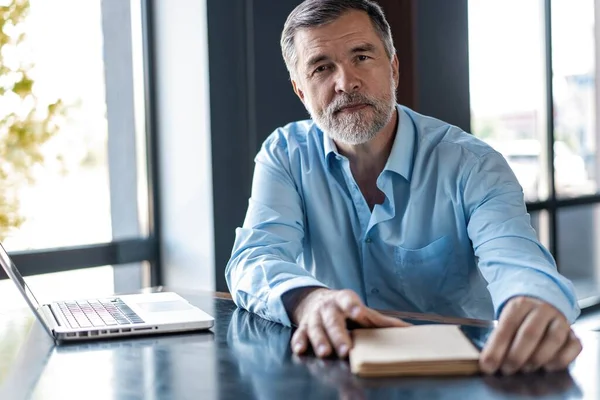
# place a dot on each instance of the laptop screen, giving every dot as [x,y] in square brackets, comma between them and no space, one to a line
[14,274]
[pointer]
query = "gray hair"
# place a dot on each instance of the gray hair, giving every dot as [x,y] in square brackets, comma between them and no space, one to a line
[313,13]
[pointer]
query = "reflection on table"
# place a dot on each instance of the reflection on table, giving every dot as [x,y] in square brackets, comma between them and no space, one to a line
[242,357]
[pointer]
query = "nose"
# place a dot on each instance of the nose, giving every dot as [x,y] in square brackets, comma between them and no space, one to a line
[347,80]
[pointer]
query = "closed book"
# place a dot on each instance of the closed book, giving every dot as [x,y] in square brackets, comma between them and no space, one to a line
[414,350]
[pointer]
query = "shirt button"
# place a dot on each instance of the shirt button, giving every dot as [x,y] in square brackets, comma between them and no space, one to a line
[368,240]
[374,290]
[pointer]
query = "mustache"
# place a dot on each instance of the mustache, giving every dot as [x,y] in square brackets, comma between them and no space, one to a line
[348,100]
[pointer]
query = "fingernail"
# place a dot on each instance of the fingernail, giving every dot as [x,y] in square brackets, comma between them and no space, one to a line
[297,348]
[321,350]
[527,369]
[488,368]
[550,368]
[355,311]
[506,370]
[342,351]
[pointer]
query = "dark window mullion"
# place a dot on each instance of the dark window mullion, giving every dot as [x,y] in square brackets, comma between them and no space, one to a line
[552,204]
[155,231]
[582,200]
[34,262]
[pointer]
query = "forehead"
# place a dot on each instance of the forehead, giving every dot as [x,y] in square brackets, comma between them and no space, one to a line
[349,29]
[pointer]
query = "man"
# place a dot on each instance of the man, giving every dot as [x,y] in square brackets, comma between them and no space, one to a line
[370,205]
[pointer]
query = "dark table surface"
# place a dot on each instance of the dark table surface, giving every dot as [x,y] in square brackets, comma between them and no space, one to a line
[241,357]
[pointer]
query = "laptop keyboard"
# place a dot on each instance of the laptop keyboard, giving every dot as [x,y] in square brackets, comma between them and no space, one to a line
[98,313]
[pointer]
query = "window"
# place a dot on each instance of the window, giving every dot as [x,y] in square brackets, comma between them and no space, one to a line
[68,285]
[74,188]
[534,98]
[67,201]
[574,76]
[507,85]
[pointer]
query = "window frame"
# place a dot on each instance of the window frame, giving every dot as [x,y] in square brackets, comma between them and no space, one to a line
[133,246]
[554,203]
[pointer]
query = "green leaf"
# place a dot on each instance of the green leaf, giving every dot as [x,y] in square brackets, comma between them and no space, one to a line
[23,86]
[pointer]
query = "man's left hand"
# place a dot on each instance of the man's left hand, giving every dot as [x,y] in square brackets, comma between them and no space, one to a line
[530,335]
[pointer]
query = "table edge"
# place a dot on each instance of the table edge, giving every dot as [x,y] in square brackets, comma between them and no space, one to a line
[407,315]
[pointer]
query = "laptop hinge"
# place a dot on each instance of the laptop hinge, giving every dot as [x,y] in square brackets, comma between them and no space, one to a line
[50,316]
[55,316]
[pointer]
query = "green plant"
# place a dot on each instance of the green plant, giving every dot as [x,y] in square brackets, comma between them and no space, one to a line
[26,124]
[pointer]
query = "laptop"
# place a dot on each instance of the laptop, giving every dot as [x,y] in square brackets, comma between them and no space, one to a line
[114,316]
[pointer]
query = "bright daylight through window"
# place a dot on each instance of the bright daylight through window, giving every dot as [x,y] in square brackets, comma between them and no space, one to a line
[54,161]
[509,103]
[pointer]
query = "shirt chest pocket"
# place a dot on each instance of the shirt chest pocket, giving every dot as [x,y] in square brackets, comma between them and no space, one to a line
[426,274]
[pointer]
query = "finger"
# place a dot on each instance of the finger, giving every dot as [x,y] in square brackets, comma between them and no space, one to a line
[334,321]
[495,349]
[353,307]
[528,338]
[376,319]
[554,339]
[349,302]
[317,337]
[299,340]
[566,355]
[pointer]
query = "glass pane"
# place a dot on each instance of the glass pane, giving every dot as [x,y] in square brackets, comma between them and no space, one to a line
[573,63]
[53,145]
[540,222]
[507,85]
[137,56]
[578,239]
[69,285]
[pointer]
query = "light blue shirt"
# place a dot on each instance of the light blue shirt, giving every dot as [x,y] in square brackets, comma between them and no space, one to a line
[452,237]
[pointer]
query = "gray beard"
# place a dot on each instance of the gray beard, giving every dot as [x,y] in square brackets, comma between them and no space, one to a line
[355,127]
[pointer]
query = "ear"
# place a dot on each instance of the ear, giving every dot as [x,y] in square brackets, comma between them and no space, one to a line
[298,90]
[396,70]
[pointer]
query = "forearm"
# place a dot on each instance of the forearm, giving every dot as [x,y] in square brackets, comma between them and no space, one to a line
[258,277]
[263,264]
[510,256]
[517,266]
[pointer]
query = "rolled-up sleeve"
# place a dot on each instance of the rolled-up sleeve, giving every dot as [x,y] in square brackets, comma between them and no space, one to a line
[263,264]
[510,257]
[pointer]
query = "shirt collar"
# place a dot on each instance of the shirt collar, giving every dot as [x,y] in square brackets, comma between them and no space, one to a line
[401,156]
[329,145]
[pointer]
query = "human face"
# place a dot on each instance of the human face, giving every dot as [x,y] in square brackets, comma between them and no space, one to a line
[345,78]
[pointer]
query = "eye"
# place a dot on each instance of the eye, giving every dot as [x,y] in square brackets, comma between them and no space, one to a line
[320,68]
[362,57]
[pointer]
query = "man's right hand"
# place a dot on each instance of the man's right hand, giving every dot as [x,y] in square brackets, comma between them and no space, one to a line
[321,316]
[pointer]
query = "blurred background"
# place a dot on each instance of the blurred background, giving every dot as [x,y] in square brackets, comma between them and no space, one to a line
[128,128]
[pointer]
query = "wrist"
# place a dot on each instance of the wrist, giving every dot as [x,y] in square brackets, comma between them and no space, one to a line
[297,300]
